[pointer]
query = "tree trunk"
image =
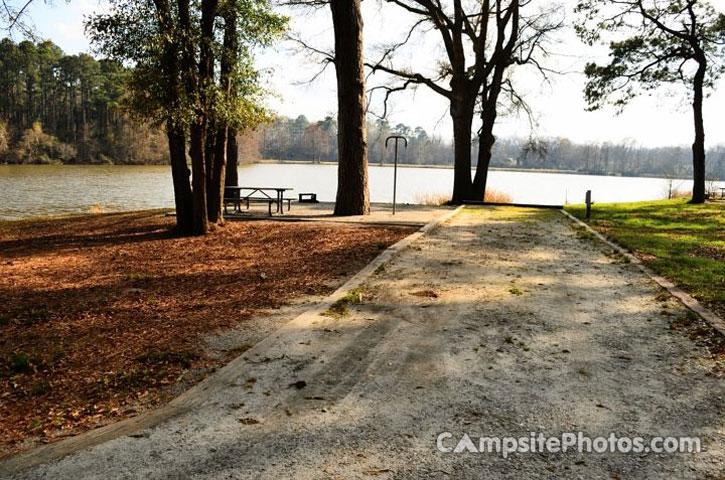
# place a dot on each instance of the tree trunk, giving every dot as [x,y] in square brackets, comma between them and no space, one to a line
[462,116]
[218,173]
[486,139]
[698,148]
[180,175]
[183,195]
[218,162]
[198,129]
[231,49]
[232,175]
[352,171]
[198,177]
[485,146]
[209,154]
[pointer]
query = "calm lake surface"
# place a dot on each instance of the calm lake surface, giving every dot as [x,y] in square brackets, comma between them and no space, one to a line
[38,190]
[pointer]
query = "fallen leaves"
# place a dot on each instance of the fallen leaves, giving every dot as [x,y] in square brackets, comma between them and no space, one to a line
[100,315]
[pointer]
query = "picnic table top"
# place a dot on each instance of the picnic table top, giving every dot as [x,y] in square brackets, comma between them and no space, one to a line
[259,188]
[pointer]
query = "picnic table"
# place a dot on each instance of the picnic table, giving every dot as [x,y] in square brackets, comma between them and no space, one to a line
[722,192]
[270,195]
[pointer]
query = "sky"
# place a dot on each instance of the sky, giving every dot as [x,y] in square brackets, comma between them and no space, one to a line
[662,119]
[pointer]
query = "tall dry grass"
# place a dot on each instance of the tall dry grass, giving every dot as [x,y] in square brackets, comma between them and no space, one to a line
[681,194]
[496,196]
[438,199]
[97,209]
[432,199]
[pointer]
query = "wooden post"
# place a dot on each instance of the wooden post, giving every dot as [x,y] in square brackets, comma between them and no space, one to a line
[589,204]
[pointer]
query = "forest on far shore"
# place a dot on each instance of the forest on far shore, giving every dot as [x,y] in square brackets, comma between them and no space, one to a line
[68,109]
[58,108]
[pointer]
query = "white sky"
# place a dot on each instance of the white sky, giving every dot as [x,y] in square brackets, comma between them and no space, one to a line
[651,121]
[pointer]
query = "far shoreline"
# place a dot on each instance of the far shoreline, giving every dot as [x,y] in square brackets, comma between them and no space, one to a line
[387,165]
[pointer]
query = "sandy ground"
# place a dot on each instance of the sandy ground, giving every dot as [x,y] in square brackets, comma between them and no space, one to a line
[380,213]
[500,323]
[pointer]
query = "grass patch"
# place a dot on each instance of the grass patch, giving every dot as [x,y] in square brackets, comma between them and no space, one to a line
[515,291]
[508,214]
[20,363]
[583,234]
[681,241]
[342,307]
[41,387]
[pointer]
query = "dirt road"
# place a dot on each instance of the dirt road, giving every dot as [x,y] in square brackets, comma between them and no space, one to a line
[501,323]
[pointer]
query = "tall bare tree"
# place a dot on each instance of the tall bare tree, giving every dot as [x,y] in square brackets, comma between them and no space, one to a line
[653,43]
[14,16]
[482,41]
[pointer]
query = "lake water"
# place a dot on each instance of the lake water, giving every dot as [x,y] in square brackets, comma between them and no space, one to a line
[35,190]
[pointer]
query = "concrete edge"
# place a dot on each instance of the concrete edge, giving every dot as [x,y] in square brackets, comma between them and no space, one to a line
[201,392]
[686,299]
[518,205]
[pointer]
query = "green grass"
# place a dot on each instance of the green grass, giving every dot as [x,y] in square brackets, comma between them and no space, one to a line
[342,307]
[517,214]
[683,242]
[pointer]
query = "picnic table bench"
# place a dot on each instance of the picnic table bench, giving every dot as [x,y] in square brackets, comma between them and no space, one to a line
[272,196]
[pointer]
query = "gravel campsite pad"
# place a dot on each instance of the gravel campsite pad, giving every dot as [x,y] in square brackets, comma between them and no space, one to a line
[502,322]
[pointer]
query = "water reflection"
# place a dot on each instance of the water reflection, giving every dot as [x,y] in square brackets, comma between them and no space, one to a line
[35,190]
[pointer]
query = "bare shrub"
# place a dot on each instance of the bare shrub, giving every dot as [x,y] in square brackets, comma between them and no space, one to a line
[672,184]
[711,185]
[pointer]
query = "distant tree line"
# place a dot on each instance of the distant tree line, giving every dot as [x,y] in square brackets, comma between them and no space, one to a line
[605,158]
[300,139]
[58,108]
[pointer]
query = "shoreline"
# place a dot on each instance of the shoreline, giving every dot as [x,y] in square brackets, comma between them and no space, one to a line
[450,167]
[387,165]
